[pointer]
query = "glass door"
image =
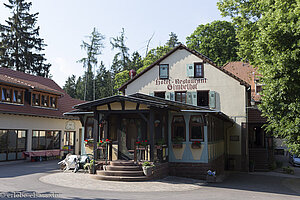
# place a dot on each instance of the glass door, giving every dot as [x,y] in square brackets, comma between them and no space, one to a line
[69,141]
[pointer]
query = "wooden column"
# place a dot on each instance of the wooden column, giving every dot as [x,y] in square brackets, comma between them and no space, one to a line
[151,129]
[95,136]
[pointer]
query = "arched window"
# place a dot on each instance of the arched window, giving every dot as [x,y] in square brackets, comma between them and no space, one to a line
[197,128]
[178,128]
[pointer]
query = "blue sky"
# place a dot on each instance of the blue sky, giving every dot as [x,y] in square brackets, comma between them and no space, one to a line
[65,23]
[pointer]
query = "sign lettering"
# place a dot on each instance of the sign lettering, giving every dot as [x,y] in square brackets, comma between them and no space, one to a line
[181,84]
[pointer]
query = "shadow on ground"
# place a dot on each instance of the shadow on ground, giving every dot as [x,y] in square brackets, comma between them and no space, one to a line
[16,169]
[256,183]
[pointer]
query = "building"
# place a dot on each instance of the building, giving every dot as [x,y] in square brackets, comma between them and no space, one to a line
[31,116]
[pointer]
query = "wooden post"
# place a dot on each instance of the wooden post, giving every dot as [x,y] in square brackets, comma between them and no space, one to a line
[95,137]
[151,129]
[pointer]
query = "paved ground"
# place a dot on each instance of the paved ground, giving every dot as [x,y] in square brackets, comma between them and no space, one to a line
[44,178]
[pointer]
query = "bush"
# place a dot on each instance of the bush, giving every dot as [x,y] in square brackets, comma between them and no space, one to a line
[288,170]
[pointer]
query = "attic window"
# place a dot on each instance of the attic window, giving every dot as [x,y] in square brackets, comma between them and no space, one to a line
[43,100]
[198,70]
[11,95]
[164,71]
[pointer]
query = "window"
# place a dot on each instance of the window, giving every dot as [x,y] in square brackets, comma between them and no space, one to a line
[160,94]
[11,95]
[164,71]
[198,70]
[178,127]
[43,140]
[43,100]
[202,98]
[88,134]
[180,96]
[12,144]
[196,128]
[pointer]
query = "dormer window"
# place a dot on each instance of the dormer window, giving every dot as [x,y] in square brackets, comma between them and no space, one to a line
[44,100]
[164,71]
[11,95]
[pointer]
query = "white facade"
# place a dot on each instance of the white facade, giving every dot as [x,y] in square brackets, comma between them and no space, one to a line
[230,97]
[30,123]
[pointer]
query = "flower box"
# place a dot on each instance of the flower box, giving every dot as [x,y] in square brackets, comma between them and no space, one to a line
[177,146]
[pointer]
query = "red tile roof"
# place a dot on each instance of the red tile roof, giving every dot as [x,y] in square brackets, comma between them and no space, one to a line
[36,83]
[246,72]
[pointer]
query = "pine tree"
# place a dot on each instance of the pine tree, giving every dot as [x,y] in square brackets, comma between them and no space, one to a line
[70,86]
[173,40]
[93,48]
[20,45]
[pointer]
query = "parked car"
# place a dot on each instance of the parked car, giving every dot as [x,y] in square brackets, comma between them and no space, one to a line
[294,160]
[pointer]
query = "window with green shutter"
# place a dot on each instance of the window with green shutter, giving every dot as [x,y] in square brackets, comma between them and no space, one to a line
[164,71]
[190,70]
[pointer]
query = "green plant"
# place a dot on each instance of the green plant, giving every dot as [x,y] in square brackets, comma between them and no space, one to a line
[102,143]
[288,170]
[178,140]
[148,164]
[161,142]
[88,165]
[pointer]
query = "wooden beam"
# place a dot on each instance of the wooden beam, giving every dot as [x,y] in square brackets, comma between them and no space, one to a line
[108,106]
[144,118]
[123,105]
[137,106]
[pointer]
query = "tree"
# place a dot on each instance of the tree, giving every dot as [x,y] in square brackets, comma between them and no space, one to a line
[93,48]
[104,82]
[153,55]
[136,61]
[121,78]
[269,34]
[122,57]
[70,86]
[20,45]
[173,40]
[216,40]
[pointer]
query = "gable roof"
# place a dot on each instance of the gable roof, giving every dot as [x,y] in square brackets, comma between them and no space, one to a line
[247,73]
[196,53]
[37,83]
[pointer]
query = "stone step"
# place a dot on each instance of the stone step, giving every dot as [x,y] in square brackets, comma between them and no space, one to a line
[123,168]
[120,173]
[121,178]
[123,163]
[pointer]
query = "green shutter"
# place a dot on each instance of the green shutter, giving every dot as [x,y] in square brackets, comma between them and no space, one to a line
[194,98]
[168,95]
[212,99]
[172,96]
[189,99]
[190,70]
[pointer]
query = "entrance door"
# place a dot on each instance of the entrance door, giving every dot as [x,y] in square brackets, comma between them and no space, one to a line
[130,132]
[69,141]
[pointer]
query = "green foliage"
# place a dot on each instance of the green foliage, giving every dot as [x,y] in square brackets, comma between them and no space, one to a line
[153,55]
[269,37]
[216,40]
[121,78]
[173,41]
[288,170]
[70,86]
[20,45]
[148,164]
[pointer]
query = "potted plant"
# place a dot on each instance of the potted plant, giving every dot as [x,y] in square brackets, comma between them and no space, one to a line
[160,143]
[89,142]
[148,168]
[211,176]
[103,143]
[177,142]
[142,144]
[196,145]
[89,166]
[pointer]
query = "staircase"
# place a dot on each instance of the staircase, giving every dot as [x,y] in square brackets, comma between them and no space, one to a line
[260,158]
[121,171]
